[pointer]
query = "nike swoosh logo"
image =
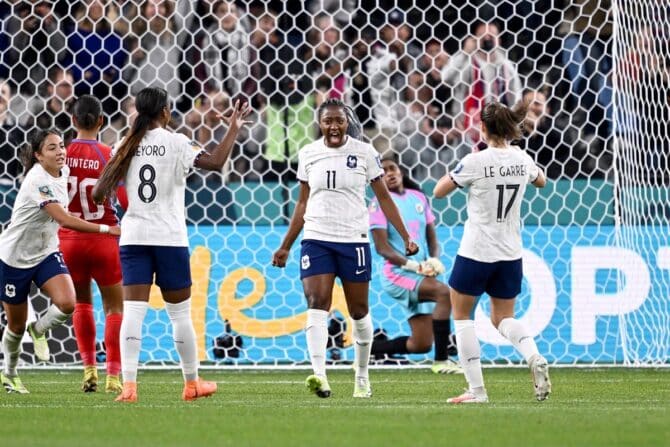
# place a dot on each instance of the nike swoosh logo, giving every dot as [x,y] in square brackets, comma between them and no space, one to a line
[358,272]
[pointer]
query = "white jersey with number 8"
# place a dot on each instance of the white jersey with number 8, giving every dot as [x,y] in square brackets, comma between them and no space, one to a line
[156,183]
[496,180]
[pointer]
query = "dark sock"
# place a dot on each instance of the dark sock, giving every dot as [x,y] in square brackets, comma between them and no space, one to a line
[390,347]
[441,332]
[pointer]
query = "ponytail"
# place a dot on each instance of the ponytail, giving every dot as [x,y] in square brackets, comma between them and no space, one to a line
[503,122]
[149,104]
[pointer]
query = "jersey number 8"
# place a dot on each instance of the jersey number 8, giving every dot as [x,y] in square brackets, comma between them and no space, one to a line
[147,177]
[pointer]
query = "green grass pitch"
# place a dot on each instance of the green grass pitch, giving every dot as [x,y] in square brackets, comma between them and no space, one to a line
[589,407]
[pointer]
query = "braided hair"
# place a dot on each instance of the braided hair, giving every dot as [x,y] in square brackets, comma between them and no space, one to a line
[355,128]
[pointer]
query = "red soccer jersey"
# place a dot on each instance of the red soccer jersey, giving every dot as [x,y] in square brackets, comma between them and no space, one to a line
[87,159]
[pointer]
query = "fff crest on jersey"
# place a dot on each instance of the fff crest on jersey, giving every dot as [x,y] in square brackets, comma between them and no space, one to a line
[352,161]
[304,261]
[419,208]
[10,290]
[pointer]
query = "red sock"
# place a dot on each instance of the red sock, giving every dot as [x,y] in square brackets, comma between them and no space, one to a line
[112,329]
[84,331]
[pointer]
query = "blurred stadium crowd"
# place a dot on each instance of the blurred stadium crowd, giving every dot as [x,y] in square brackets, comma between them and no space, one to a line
[416,73]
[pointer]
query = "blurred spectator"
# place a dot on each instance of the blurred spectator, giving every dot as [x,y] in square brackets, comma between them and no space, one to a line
[544,140]
[388,67]
[31,42]
[586,56]
[120,124]
[96,56]
[11,139]
[480,72]
[644,120]
[154,54]
[287,95]
[358,92]
[326,53]
[226,45]
[53,110]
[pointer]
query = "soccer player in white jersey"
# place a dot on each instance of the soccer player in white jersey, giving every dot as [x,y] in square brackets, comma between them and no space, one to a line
[489,257]
[333,172]
[153,162]
[29,252]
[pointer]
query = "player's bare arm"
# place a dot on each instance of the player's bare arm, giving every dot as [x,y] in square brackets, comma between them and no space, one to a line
[297,221]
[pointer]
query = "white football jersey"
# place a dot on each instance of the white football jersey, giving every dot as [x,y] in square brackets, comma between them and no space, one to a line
[155,184]
[497,180]
[32,234]
[337,177]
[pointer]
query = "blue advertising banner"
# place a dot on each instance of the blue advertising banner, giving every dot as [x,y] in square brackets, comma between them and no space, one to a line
[584,299]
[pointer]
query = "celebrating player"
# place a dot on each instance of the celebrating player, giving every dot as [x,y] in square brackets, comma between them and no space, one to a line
[333,172]
[411,280]
[29,252]
[94,256]
[489,257]
[153,163]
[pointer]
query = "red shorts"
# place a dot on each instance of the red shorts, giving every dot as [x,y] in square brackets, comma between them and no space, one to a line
[93,258]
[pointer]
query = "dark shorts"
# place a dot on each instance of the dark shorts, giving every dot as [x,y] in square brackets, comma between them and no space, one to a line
[500,279]
[15,282]
[349,261]
[171,265]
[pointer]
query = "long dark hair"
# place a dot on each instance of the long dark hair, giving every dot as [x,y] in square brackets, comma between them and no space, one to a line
[149,103]
[34,145]
[87,111]
[355,129]
[503,122]
[407,182]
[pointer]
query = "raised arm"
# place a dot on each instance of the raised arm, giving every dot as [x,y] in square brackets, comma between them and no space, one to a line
[391,212]
[215,160]
[66,220]
[297,222]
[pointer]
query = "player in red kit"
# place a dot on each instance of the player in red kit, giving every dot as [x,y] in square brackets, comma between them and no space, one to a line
[93,256]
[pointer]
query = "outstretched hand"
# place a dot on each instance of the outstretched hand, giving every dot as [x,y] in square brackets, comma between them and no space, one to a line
[237,116]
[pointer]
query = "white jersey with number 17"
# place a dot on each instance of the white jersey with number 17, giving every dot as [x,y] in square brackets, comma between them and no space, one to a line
[337,177]
[156,183]
[496,180]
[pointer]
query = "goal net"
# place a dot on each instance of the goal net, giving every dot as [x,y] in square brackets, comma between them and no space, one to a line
[596,259]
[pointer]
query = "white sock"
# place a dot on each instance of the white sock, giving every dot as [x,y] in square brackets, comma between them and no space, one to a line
[316,331]
[11,348]
[362,344]
[184,337]
[515,332]
[52,318]
[130,337]
[468,354]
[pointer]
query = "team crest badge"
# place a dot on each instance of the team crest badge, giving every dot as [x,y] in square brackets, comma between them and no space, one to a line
[304,262]
[45,192]
[352,161]
[10,290]
[373,206]
[419,208]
